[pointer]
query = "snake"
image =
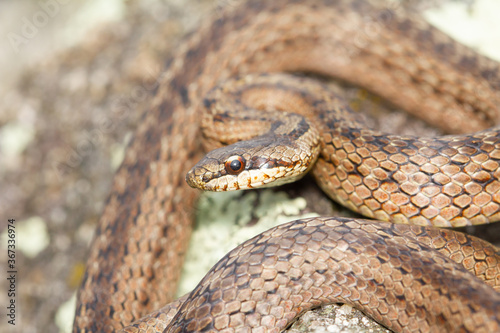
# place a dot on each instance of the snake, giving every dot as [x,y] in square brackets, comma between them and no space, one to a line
[407,276]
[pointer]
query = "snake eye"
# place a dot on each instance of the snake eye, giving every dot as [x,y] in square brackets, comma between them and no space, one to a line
[234,165]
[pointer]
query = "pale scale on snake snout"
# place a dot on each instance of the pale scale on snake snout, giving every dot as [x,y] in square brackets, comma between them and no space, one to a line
[408,62]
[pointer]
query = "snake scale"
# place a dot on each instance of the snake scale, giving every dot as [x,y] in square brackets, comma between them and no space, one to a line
[398,278]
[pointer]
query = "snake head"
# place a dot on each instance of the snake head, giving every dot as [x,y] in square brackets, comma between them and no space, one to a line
[261,162]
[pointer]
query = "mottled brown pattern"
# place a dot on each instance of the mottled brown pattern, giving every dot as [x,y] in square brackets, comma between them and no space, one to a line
[139,245]
[409,278]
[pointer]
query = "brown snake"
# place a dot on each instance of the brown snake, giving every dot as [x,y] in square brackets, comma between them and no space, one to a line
[140,242]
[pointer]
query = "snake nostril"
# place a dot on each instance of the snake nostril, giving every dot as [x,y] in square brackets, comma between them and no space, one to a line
[206,178]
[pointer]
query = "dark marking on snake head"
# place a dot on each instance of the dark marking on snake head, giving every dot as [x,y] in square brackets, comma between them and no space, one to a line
[301,128]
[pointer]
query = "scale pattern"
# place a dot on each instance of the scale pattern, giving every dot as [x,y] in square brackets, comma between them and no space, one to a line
[409,278]
[140,242]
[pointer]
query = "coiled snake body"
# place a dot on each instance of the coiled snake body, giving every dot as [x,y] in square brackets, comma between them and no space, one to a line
[139,244]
